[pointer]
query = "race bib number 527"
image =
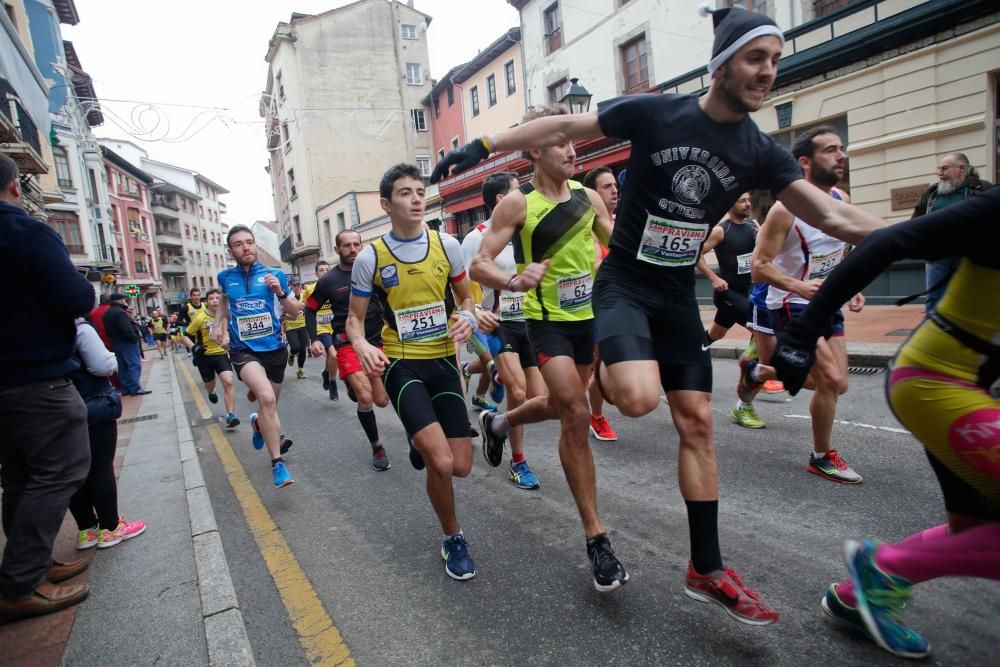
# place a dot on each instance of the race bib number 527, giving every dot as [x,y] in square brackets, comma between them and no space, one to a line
[671,242]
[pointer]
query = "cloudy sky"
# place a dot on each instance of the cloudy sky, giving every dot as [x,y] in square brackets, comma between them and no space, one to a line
[183,78]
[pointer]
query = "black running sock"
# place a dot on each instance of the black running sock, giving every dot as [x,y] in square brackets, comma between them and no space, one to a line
[277,460]
[367,419]
[703,522]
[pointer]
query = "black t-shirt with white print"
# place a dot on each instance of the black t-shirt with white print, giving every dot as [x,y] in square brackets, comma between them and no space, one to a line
[685,172]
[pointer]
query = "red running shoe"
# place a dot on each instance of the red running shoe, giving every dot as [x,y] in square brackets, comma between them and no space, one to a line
[725,589]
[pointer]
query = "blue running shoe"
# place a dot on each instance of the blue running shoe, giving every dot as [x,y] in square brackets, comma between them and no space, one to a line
[258,437]
[457,562]
[496,388]
[281,476]
[522,477]
[881,600]
[232,421]
[483,404]
[842,612]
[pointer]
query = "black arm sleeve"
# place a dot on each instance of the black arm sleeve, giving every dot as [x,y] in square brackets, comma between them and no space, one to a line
[971,227]
[311,323]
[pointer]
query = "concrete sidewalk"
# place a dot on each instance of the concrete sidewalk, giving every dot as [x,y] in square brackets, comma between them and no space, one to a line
[873,335]
[165,597]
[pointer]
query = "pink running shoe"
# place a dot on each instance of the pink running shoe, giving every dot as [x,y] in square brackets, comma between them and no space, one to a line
[126,530]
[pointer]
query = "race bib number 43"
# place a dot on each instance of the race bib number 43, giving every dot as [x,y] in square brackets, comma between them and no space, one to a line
[743,263]
[575,291]
[422,324]
[254,326]
[671,242]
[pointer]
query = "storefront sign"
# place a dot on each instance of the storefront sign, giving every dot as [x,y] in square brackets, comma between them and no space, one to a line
[904,199]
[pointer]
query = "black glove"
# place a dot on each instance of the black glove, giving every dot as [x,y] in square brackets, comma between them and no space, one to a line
[463,158]
[795,354]
[197,352]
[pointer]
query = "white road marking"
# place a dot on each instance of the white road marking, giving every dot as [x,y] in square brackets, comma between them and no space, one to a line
[891,429]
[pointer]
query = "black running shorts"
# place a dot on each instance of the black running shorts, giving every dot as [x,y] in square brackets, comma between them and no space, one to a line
[273,361]
[639,319]
[424,391]
[514,339]
[211,365]
[562,339]
[731,308]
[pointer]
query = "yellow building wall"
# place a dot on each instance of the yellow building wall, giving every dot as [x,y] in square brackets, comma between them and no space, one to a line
[906,113]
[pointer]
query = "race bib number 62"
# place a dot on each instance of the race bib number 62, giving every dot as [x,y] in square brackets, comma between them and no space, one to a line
[671,242]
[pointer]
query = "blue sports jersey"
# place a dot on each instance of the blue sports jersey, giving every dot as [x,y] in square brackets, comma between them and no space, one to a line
[254,321]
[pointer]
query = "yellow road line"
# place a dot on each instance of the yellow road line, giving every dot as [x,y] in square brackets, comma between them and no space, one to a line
[317,633]
[199,400]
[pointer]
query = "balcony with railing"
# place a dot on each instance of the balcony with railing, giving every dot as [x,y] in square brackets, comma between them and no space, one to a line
[164,207]
[24,148]
[168,235]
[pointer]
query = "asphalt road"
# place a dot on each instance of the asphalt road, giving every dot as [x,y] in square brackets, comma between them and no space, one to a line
[369,542]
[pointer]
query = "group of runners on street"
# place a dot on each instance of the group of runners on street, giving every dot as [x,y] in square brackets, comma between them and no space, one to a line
[575,295]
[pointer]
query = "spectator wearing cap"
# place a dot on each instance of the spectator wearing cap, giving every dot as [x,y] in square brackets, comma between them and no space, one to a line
[124,337]
[44,450]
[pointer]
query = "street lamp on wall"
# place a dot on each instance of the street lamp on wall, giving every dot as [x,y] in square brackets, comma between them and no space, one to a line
[577,98]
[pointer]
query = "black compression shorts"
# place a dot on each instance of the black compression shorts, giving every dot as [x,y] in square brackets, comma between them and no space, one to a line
[274,362]
[562,339]
[424,391]
[732,308]
[637,319]
[514,338]
[211,365]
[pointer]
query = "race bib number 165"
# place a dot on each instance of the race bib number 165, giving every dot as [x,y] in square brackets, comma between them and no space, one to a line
[671,242]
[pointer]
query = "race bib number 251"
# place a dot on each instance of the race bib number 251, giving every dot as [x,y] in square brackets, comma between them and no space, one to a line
[422,324]
[671,242]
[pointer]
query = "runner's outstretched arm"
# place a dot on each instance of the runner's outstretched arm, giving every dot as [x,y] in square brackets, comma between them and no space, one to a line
[539,133]
[839,220]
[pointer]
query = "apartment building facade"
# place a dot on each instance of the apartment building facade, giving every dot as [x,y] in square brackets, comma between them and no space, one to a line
[329,135]
[130,201]
[187,212]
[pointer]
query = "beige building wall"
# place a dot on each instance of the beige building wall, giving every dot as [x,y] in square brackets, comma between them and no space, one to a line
[509,108]
[346,106]
[906,113]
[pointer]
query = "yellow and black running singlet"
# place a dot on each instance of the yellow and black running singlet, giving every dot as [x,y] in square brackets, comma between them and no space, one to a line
[415,301]
[561,232]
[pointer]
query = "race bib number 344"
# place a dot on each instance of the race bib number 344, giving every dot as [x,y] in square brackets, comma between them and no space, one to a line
[254,326]
[671,242]
[421,324]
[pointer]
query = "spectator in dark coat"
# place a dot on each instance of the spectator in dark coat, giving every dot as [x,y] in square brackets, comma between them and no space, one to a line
[123,333]
[44,450]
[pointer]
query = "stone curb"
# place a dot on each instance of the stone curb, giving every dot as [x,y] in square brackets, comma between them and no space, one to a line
[225,631]
[877,355]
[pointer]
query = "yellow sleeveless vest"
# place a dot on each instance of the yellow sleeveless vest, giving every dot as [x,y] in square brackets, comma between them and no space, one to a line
[416,301]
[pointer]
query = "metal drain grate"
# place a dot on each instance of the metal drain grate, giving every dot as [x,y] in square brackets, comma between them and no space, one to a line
[144,418]
[864,370]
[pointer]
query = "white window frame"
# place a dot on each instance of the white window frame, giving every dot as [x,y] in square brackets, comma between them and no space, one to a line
[424,165]
[414,69]
[407,31]
[418,120]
